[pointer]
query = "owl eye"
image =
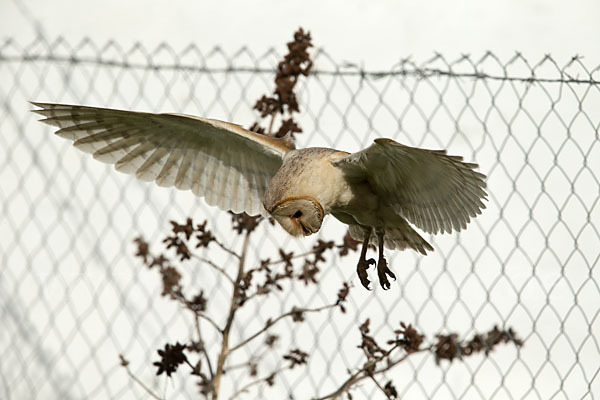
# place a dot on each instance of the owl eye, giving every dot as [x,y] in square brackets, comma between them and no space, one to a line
[297,214]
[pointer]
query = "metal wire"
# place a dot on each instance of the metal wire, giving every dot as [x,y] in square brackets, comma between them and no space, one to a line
[72,296]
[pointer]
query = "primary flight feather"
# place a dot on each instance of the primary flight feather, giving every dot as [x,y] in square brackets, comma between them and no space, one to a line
[376,191]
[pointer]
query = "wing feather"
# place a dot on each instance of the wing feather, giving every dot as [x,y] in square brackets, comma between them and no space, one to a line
[152,166]
[168,173]
[230,166]
[132,161]
[434,191]
[209,167]
[232,192]
[97,139]
[252,183]
[117,149]
[183,181]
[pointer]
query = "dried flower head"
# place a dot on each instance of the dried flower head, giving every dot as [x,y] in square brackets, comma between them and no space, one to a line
[295,63]
[342,296]
[170,278]
[408,338]
[198,302]
[296,357]
[244,222]
[142,249]
[170,358]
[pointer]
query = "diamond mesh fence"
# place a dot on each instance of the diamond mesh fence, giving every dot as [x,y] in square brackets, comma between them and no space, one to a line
[73,297]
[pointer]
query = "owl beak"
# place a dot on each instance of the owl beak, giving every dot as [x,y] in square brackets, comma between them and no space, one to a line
[305,229]
[302,227]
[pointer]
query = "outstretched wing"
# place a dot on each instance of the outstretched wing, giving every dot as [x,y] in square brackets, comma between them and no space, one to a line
[228,165]
[431,189]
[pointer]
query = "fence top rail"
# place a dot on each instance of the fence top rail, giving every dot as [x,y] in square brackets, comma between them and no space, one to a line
[244,60]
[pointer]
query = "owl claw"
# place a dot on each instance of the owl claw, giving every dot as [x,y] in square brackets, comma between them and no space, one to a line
[382,272]
[361,270]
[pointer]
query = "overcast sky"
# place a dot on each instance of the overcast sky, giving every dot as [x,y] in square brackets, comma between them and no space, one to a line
[375,33]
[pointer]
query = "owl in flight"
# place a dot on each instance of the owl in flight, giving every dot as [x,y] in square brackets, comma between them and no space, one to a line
[376,191]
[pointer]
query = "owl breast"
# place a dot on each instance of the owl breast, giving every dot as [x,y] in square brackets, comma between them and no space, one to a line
[310,173]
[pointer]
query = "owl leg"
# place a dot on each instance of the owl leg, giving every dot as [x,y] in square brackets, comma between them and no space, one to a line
[382,269]
[363,263]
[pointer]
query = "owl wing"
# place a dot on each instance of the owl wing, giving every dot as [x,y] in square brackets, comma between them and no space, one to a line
[228,165]
[431,189]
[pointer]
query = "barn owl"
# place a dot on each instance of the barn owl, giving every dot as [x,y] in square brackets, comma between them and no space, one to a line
[377,191]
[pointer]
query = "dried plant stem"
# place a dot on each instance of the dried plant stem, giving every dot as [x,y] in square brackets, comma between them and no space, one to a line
[269,324]
[214,266]
[226,249]
[137,380]
[364,374]
[379,386]
[252,359]
[295,256]
[201,341]
[210,321]
[180,297]
[232,310]
[270,130]
[255,382]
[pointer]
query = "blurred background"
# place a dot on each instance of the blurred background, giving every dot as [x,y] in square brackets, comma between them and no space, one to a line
[513,86]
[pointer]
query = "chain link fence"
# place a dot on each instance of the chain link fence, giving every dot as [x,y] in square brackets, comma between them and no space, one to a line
[73,297]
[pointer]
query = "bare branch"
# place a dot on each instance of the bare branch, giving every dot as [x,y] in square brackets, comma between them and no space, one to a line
[258,381]
[380,387]
[270,323]
[293,257]
[201,341]
[362,374]
[125,364]
[226,249]
[270,130]
[233,306]
[214,266]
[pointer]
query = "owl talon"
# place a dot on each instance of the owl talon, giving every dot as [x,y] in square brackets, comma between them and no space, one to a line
[382,272]
[382,268]
[361,270]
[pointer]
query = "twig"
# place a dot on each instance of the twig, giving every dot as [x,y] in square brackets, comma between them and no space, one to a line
[230,368]
[269,131]
[181,298]
[379,386]
[258,381]
[295,256]
[232,310]
[201,341]
[210,321]
[214,266]
[225,248]
[363,374]
[269,324]
[253,359]
[125,364]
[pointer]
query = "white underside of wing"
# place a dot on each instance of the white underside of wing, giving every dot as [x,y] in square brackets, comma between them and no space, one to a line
[223,166]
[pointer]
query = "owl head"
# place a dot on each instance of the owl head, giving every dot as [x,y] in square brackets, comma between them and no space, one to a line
[299,216]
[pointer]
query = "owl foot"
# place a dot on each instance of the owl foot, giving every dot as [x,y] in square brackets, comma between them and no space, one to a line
[361,270]
[363,263]
[383,272]
[382,268]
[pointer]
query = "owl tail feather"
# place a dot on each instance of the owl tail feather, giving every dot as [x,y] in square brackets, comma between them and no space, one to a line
[397,238]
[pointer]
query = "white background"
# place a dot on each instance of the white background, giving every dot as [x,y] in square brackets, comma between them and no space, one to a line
[368,33]
[372,32]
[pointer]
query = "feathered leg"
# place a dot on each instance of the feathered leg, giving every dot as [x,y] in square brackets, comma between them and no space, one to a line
[363,263]
[382,269]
